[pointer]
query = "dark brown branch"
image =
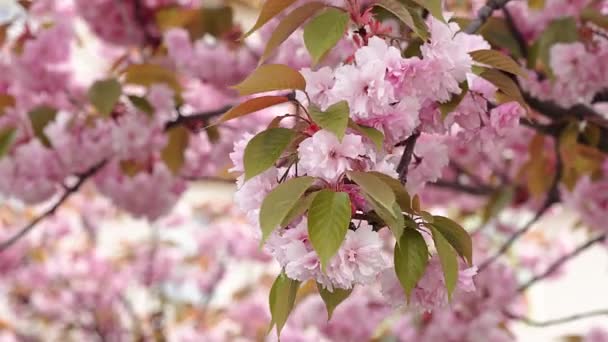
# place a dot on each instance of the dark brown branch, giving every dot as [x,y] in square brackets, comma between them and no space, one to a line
[521,41]
[68,192]
[484,13]
[203,117]
[553,267]
[560,320]
[600,97]
[477,190]
[406,158]
[552,197]
[555,112]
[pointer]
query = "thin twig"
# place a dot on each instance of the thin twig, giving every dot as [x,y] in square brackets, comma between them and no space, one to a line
[484,13]
[68,192]
[196,118]
[553,267]
[552,197]
[560,320]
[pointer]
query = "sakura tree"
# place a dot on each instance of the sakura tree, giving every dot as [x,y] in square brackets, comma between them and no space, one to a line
[388,155]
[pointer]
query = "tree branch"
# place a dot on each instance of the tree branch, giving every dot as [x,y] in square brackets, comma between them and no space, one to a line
[560,320]
[484,13]
[196,118]
[68,192]
[561,261]
[481,190]
[406,158]
[552,197]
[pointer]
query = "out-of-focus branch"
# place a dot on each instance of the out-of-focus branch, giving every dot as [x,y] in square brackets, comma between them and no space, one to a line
[554,266]
[196,118]
[484,13]
[560,320]
[521,41]
[552,197]
[68,192]
[406,158]
[477,190]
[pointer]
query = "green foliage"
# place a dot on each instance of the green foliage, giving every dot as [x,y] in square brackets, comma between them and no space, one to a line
[278,203]
[448,259]
[374,187]
[270,77]
[142,104]
[408,14]
[411,257]
[298,209]
[104,95]
[7,137]
[504,83]
[333,298]
[265,149]
[149,74]
[334,119]
[392,217]
[450,106]
[328,220]
[456,235]
[288,25]
[433,6]
[174,152]
[371,133]
[39,118]
[270,9]
[251,106]
[324,31]
[401,195]
[496,31]
[497,60]
[562,30]
[282,299]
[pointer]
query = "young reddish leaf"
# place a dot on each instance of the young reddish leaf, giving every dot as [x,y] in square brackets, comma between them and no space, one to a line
[333,298]
[328,220]
[497,60]
[504,84]
[279,202]
[448,259]
[270,9]
[282,299]
[408,15]
[456,235]
[411,257]
[252,106]
[40,117]
[271,77]
[149,74]
[264,150]
[7,137]
[288,25]
[173,153]
[104,95]
[323,32]
[334,119]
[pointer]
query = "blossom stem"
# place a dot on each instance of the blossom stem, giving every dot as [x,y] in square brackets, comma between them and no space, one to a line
[406,158]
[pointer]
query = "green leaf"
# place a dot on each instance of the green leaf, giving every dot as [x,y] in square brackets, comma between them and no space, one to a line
[270,9]
[392,218]
[282,299]
[411,257]
[401,195]
[504,83]
[40,117]
[448,259]
[434,7]
[142,104]
[265,149]
[497,60]
[562,30]
[174,152]
[278,203]
[270,77]
[7,137]
[369,132]
[374,187]
[333,298]
[496,31]
[104,95]
[593,15]
[149,74]
[536,4]
[288,25]
[456,235]
[408,15]
[324,31]
[334,119]
[450,106]
[328,220]
[298,209]
[252,106]
[6,101]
